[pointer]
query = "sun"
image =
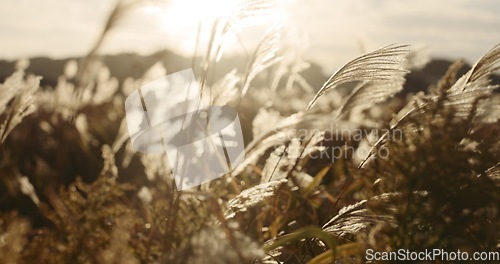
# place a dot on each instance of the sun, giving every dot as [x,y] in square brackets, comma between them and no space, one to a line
[182,20]
[202,10]
[187,23]
[181,17]
[182,14]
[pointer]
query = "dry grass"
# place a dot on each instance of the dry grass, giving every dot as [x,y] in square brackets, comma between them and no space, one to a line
[72,190]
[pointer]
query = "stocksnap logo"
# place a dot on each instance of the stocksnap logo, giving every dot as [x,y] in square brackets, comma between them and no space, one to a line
[201,143]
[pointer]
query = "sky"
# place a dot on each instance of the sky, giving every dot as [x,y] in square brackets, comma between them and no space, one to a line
[330,32]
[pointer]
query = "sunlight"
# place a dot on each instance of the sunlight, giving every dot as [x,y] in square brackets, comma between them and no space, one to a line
[186,26]
[185,22]
[193,12]
[181,20]
[205,10]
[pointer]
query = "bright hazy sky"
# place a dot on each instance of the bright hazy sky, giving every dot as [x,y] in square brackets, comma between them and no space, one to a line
[333,31]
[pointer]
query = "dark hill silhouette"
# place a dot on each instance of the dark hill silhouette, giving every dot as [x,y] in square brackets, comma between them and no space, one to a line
[419,80]
[126,65]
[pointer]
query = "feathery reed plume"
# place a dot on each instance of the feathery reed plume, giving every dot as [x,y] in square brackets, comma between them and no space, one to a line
[246,14]
[463,96]
[84,74]
[292,63]
[225,89]
[478,75]
[353,218]
[369,93]
[494,172]
[266,140]
[251,197]
[382,64]
[17,101]
[265,56]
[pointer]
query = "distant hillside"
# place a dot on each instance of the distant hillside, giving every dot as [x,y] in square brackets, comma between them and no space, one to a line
[421,79]
[120,66]
[132,65]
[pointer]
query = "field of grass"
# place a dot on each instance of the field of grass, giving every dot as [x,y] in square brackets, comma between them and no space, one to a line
[329,172]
